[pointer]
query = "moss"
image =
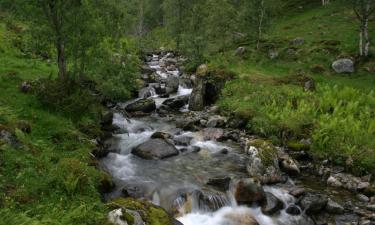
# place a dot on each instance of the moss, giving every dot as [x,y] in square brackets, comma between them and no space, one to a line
[129,218]
[106,183]
[151,214]
[298,146]
[267,152]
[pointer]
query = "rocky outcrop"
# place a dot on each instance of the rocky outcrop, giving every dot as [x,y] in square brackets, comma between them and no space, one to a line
[155,149]
[263,162]
[141,105]
[196,101]
[343,66]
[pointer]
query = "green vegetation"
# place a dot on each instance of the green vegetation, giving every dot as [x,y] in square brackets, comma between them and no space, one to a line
[338,116]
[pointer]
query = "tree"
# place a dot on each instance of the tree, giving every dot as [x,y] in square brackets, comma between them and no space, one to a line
[364,9]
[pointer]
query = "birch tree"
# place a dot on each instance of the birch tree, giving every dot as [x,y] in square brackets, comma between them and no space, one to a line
[364,9]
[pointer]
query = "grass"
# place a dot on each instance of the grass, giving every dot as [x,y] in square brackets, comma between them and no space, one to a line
[48,175]
[267,91]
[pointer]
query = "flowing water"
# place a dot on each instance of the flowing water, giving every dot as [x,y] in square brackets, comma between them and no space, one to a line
[178,183]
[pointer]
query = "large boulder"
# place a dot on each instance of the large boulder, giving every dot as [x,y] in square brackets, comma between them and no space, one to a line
[155,149]
[263,161]
[248,191]
[202,70]
[289,165]
[177,102]
[343,66]
[141,105]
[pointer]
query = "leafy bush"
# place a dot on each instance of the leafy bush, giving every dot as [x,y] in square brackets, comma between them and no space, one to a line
[68,98]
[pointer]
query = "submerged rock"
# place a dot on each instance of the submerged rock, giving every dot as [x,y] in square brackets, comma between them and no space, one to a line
[155,149]
[263,161]
[182,140]
[141,105]
[248,191]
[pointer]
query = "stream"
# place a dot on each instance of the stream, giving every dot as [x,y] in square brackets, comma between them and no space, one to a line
[179,183]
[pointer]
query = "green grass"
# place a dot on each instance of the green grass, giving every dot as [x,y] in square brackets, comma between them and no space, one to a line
[268,94]
[49,177]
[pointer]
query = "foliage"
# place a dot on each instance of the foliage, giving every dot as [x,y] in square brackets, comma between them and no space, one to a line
[331,117]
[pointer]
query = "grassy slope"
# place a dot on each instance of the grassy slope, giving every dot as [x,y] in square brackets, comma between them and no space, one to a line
[47,178]
[257,91]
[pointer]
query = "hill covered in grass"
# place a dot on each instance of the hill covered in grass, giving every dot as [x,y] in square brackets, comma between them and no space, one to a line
[337,117]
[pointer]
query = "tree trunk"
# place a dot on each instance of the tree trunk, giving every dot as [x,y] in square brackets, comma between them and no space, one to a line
[364,40]
[61,60]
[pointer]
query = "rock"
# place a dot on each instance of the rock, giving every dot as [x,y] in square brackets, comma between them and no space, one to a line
[195,149]
[141,105]
[273,54]
[146,92]
[185,81]
[237,122]
[291,53]
[313,203]
[362,198]
[170,61]
[25,87]
[272,204]
[334,208]
[290,166]
[147,70]
[343,66]
[176,222]
[161,135]
[212,133]
[346,219]
[240,217]
[172,84]
[202,70]
[177,102]
[293,210]
[346,181]
[224,151]
[107,118]
[216,121]
[221,183]
[310,85]
[140,212]
[371,208]
[248,191]
[263,161]
[196,100]
[155,149]
[297,41]
[188,124]
[9,138]
[115,217]
[182,140]
[297,192]
[240,51]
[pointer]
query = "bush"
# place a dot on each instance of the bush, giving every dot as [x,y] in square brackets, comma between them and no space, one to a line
[69,98]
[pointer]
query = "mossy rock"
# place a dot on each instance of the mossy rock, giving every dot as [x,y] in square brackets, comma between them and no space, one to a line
[151,214]
[298,146]
[267,151]
[106,183]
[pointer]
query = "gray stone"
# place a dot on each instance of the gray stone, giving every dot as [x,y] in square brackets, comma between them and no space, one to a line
[222,183]
[177,102]
[334,208]
[293,210]
[182,140]
[216,121]
[313,203]
[297,41]
[155,149]
[362,198]
[141,105]
[240,51]
[343,66]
